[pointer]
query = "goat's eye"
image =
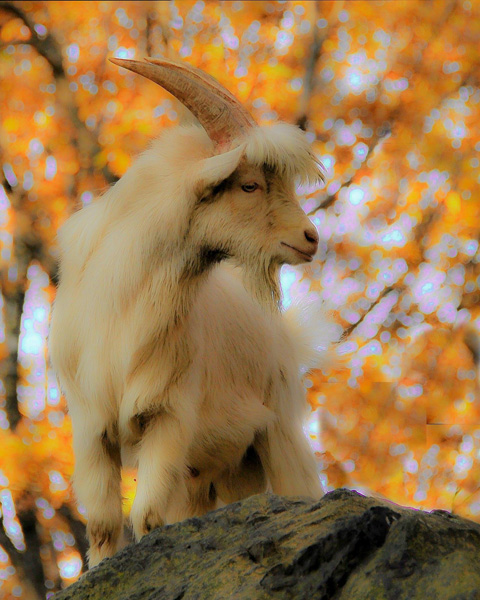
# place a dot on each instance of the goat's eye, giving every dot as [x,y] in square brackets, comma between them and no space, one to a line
[250,187]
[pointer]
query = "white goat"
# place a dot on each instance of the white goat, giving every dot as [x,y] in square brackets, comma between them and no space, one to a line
[171,358]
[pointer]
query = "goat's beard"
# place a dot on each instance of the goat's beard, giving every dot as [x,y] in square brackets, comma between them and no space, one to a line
[262,280]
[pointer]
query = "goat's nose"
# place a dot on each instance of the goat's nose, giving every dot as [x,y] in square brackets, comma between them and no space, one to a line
[311,235]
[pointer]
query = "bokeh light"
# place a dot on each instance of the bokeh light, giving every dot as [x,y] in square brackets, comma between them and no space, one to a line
[388,95]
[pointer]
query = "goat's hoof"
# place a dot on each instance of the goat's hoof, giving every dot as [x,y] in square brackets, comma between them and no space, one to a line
[146,523]
[103,539]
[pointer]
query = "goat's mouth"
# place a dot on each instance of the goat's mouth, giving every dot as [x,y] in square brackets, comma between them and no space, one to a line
[305,255]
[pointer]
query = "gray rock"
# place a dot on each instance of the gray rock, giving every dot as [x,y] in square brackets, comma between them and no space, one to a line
[343,547]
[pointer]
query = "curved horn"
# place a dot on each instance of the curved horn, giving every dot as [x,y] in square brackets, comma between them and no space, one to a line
[219,112]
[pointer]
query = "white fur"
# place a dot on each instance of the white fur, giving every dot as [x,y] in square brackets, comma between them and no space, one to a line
[178,365]
[313,330]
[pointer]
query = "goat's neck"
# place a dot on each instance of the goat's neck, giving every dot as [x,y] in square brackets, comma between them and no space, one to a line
[181,282]
[178,282]
[184,276]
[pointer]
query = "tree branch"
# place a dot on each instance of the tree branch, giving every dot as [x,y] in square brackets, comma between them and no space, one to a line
[78,530]
[18,561]
[48,47]
[348,331]
[27,246]
[309,78]
[32,562]
[10,375]
[14,296]
[331,198]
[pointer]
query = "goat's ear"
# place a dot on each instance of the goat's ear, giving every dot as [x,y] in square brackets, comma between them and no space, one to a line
[216,169]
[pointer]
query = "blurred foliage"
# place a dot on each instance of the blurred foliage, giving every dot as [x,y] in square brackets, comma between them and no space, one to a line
[388,93]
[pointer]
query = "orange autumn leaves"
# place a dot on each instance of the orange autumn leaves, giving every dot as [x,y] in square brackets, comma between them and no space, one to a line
[389,95]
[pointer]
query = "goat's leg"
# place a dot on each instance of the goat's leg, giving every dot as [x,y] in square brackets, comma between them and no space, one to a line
[96,482]
[245,480]
[199,495]
[192,500]
[288,460]
[161,469]
[201,500]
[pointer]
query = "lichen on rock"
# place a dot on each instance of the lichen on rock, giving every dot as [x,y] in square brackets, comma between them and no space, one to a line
[343,547]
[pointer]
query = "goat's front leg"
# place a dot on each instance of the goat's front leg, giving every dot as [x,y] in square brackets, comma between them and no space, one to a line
[161,469]
[288,460]
[96,482]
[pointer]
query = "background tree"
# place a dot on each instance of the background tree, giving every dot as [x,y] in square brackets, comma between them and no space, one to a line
[388,92]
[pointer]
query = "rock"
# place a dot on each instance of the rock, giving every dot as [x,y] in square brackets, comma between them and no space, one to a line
[343,547]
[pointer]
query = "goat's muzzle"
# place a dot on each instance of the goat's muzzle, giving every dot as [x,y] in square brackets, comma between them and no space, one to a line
[303,247]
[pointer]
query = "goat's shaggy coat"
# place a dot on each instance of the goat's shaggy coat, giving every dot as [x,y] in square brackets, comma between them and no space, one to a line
[172,359]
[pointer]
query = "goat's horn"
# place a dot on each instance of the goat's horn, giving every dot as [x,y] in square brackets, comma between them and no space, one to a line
[219,112]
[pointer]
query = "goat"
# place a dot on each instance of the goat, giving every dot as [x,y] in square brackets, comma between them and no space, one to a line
[166,332]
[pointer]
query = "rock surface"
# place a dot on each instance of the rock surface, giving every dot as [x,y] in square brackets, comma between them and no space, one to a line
[343,547]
